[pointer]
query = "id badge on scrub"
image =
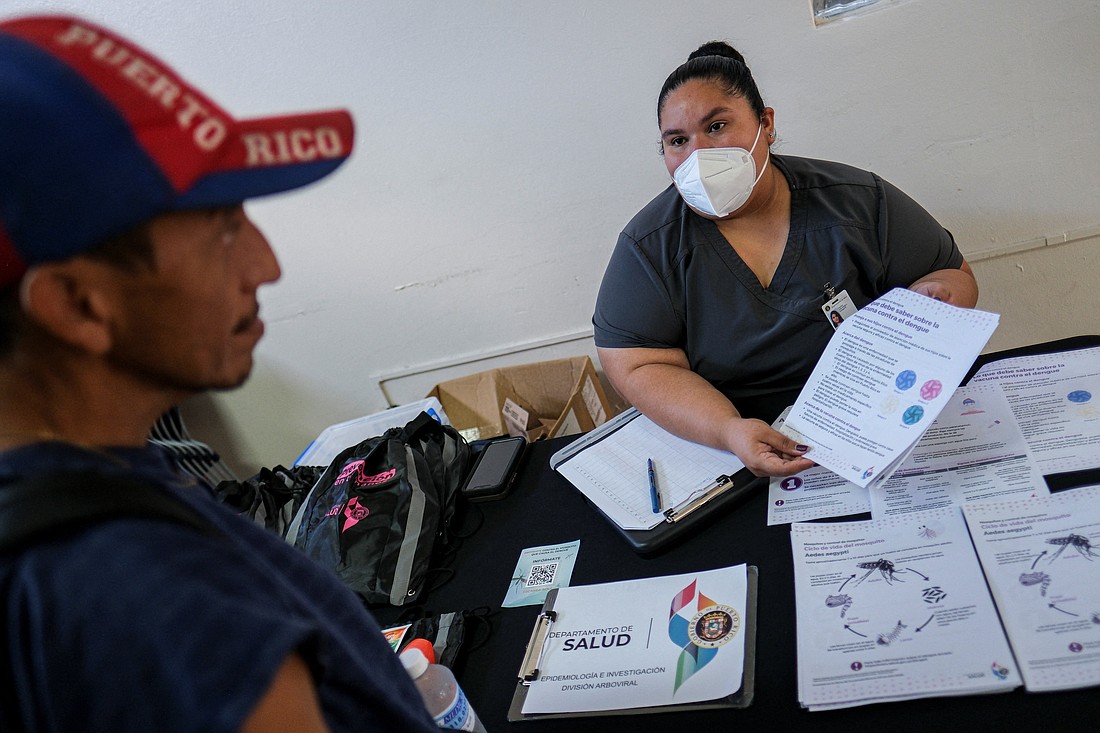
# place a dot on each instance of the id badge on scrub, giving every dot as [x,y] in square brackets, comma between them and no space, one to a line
[838,308]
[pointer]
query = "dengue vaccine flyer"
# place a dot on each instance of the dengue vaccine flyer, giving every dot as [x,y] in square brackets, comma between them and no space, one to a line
[1042,558]
[894,609]
[883,378]
[1056,399]
[974,451]
[813,494]
[643,643]
[816,493]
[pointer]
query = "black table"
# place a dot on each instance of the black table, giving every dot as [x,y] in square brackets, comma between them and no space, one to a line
[545,509]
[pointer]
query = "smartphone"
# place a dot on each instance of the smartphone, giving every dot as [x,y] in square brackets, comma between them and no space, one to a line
[494,469]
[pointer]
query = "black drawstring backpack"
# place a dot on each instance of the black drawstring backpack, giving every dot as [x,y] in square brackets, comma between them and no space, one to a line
[271,497]
[382,510]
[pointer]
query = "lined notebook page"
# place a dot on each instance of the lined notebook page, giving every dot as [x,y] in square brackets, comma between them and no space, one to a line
[613,473]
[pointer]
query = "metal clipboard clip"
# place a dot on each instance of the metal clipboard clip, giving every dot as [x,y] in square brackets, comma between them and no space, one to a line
[698,499]
[529,669]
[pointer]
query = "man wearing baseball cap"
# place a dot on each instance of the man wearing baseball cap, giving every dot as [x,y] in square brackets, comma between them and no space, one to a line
[128,279]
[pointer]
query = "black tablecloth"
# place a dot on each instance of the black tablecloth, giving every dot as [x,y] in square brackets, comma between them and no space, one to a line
[545,509]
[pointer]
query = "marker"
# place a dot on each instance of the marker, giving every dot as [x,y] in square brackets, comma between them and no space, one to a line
[654,495]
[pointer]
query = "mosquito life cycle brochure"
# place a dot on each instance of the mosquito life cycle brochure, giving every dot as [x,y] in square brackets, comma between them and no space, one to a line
[1042,558]
[894,609]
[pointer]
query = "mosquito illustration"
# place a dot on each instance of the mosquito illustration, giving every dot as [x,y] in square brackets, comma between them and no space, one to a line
[1077,542]
[889,574]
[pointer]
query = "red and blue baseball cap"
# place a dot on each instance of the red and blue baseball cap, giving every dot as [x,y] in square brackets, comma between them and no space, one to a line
[97,136]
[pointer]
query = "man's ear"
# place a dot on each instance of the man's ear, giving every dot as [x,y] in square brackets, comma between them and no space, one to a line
[68,301]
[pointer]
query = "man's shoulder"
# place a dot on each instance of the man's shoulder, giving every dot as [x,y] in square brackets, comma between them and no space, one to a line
[111,558]
[131,604]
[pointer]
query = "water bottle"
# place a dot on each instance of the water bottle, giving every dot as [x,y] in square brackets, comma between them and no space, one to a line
[443,697]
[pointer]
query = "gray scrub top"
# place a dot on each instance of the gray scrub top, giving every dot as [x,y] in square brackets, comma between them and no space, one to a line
[673,280]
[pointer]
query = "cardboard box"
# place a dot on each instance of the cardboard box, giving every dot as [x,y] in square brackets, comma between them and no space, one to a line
[520,418]
[548,399]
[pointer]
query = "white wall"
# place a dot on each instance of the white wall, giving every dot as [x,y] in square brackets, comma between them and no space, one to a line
[502,145]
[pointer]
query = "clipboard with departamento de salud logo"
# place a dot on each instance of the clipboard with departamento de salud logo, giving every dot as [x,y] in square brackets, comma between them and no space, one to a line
[694,483]
[669,643]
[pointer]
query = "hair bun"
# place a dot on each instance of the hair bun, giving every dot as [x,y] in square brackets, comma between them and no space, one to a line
[717,48]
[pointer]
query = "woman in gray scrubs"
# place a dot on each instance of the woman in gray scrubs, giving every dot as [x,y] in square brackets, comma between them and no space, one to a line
[709,317]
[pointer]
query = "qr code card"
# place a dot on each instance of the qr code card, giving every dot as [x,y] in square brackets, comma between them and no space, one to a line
[542,575]
[539,570]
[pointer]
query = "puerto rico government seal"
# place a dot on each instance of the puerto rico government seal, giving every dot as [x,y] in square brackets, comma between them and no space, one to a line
[714,626]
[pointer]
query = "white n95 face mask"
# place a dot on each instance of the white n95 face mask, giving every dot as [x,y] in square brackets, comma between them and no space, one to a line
[718,181]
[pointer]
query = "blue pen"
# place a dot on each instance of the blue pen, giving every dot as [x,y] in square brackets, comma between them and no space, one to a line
[654,495]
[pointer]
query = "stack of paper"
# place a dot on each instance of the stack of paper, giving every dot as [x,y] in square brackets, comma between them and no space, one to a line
[1042,559]
[974,451]
[1056,399]
[899,608]
[894,609]
[886,374]
[335,438]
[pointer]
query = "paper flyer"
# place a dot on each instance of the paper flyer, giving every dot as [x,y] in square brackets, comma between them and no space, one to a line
[1042,558]
[642,643]
[538,571]
[894,609]
[816,493]
[974,451]
[395,635]
[884,377]
[1056,399]
[813,494]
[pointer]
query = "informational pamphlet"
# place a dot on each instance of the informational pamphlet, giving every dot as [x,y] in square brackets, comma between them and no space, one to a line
[1042,559]
[894,609]
[538,571]
[974,451]
[335,438]
[1056,400]
[884,377]
[643,643]
[815,493]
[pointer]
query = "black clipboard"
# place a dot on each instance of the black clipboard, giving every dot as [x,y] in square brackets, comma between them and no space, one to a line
[529,669]
[717,494]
